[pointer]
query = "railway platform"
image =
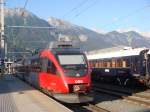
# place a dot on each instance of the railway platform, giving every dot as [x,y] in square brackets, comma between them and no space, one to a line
[17,96]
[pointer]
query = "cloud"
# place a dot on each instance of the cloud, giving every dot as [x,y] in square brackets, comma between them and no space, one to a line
[83,38]
[145,34]
[132,28]
[128,29]
[98,30]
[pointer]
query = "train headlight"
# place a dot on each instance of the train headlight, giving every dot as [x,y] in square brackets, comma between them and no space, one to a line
[79,88]
[76,88]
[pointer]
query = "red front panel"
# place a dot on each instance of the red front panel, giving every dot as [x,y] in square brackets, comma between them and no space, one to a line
[52,83]
[59,82]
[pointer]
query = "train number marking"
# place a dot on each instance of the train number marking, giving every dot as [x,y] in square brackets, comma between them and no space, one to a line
[78,81]
[53,84]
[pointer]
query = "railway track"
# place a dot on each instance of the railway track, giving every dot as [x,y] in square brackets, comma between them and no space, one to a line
[97,108]
[141,99]
[114,89]
[87,107]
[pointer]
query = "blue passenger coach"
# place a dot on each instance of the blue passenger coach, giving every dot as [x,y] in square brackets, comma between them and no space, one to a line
[122,66]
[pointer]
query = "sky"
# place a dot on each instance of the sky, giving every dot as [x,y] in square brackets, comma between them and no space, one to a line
[103,15]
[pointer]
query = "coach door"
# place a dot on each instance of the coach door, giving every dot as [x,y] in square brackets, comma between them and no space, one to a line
[143,59]
[148,63]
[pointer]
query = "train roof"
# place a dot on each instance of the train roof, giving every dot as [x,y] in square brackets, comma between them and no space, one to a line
[64,47]
[110,49]
[62,44]
[148,52]
[115,54]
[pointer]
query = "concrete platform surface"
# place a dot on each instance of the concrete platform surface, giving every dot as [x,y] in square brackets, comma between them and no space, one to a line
[17,96]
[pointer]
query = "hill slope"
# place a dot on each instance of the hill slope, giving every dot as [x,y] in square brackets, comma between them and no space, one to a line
[21,39]
[25,38]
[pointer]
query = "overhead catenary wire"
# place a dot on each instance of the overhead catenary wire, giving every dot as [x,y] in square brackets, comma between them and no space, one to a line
[32,27]
[85,9]
[80,12]
[126,16]
[26,2]
[24,7]
[75,8]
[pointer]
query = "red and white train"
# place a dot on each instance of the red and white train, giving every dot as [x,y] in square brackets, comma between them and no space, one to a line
[61,71]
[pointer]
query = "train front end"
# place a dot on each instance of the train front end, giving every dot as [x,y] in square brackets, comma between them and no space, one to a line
[75,74]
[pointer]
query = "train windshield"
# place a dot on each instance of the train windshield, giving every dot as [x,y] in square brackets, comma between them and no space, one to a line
[71,59]
[73,64]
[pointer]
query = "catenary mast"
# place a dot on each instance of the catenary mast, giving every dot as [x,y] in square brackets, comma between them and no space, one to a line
[2,28]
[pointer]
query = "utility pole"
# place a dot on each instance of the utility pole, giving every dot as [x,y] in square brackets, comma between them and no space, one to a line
[2,28]
[2,37]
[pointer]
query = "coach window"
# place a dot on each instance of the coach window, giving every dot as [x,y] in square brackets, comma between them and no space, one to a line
[100,63]
[113,63]
[94,63]
[108,63]
[127,60]
[105,63]
[119,63]
[124,63]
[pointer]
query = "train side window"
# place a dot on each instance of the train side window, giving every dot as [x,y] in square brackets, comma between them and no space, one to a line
[51,68]
[44,63]
[35,66]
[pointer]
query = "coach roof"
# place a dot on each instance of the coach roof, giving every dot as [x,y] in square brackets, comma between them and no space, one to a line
[115,54]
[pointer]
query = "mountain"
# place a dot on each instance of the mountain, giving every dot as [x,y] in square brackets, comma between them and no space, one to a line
[116,38]
[137,40]
[130,38]
[92,40]
[23,39]
[20,39]
[89,39]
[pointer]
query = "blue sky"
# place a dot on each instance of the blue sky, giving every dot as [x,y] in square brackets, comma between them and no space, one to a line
[107,15]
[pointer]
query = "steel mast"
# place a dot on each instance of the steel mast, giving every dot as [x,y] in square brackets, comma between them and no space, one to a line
[2,28]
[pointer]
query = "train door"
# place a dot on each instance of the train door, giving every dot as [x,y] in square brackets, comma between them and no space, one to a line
[136,65]
[54,79]
[148,63]
[33,76]
[143,59]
